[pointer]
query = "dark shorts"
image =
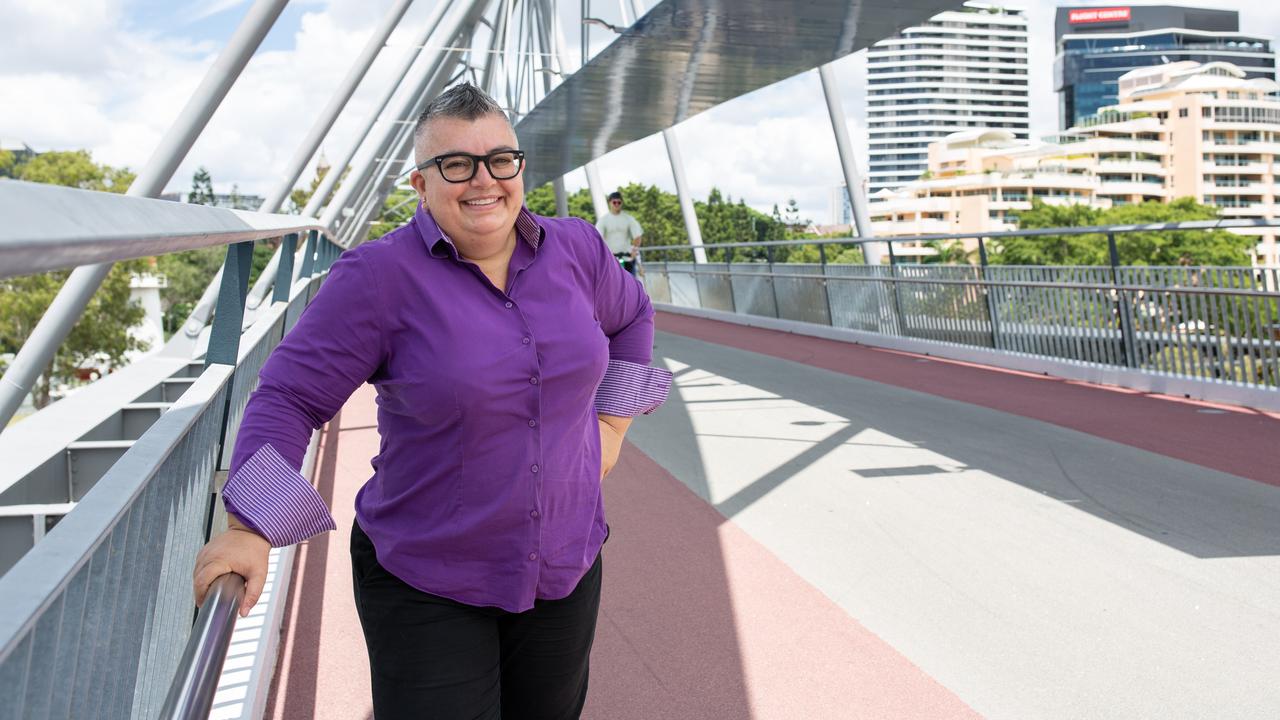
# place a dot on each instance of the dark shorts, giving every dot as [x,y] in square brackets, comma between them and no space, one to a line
[431,657]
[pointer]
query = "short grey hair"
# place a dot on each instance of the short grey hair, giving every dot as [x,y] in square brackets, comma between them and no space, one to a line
[463,102]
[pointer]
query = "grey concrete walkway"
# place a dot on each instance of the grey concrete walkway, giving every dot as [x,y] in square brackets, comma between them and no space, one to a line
[1034,570]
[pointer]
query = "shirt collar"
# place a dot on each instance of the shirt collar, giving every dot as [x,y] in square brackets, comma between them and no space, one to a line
[438,244]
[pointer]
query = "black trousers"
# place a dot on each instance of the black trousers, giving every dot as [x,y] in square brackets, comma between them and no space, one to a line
[438,659]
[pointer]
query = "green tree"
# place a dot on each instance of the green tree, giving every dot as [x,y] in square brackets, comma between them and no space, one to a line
[1182,247]
[399,206]
[299,198]
[792,214]
[76,169]
[1053,249]
[201,188]
[188,273]
[947,252]
[542,200]
[7,162]
[101,334]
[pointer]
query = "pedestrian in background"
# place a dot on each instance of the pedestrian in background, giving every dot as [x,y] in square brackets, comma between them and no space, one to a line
[621,233]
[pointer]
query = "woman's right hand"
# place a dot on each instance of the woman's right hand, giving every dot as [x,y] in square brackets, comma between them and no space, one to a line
[237,550]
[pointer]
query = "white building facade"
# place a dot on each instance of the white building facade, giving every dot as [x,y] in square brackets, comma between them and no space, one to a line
[961,70]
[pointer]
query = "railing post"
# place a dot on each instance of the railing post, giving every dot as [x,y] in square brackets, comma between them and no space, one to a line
[773,282]
[224,338]
[1128,341]
[992,315]
[897,292]
[826,286]
[284,268]
[309,255]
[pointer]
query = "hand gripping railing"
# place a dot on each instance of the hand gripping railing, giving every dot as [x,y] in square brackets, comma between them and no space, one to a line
[191,694]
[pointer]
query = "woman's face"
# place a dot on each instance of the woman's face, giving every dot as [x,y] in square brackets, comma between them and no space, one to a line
[479,215]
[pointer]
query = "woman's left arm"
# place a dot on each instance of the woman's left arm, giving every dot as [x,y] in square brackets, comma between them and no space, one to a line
[630,386]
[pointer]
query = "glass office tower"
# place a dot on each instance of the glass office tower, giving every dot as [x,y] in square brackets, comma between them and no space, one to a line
[1095,46]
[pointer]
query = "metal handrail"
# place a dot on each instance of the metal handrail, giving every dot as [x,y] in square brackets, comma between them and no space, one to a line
[41,233]
[1224,224]
[1104,287]
[191,694]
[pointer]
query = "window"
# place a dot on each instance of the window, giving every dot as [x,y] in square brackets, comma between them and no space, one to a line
[1182,112]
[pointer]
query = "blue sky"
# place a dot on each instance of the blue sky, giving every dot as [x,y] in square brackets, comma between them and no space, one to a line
[63,87]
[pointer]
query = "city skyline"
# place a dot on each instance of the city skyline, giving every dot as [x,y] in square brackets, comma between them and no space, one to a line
[63,90]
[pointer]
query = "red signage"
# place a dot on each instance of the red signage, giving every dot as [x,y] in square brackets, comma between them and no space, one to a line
[1098,15]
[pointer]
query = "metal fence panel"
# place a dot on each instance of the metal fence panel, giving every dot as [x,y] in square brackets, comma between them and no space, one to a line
[655,281]
[803,299]
[101,608]
[753,290]
[683,285]
[714,290]
[862,302]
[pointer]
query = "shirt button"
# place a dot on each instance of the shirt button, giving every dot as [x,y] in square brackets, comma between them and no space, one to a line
[533,381]
[533,556]
[533,513]
[533,423]
[508,304]
[534,468]
[525,341]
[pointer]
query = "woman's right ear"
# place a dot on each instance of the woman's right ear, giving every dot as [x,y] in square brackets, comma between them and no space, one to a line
[419,184]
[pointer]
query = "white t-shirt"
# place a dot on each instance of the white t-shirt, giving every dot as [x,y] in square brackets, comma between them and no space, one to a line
[618,231]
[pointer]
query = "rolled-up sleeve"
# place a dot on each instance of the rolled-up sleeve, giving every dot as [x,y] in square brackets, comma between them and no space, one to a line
[630,386]
[336,346]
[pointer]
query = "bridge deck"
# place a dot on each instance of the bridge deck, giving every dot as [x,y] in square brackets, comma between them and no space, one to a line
[811,529]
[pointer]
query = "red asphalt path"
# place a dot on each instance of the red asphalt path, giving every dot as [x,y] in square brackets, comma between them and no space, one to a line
[697,619]
[1240,441]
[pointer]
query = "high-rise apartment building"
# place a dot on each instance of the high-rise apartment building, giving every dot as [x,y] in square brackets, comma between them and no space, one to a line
[1203,131]
[1096,45]
[962,69]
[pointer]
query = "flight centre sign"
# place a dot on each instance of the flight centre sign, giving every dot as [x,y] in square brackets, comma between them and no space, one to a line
[1084,16]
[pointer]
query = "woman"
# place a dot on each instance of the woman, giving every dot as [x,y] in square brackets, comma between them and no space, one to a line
[509,352]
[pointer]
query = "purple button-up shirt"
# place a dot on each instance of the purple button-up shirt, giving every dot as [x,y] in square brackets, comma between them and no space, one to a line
[486,486]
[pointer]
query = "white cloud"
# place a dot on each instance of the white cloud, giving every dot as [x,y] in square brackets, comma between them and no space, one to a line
[202,10]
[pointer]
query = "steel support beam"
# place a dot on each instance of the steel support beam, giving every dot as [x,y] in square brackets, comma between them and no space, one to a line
[403,112]
[871,252]
[381,174]
[334,176]
[686,200]
[324,121]
[76,293]
[596,189]
[327,183]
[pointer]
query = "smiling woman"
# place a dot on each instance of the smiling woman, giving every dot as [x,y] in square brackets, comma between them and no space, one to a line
[509,352]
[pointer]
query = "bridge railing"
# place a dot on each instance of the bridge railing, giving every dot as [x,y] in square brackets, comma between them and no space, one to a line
[97,614]
[1208,324]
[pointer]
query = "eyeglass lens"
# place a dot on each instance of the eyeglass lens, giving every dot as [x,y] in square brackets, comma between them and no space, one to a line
[460,168]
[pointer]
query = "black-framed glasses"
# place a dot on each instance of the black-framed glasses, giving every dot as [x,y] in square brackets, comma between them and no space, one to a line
[461,167]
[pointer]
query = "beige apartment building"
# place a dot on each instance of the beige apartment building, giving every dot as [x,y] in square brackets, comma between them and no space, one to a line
[1179,130]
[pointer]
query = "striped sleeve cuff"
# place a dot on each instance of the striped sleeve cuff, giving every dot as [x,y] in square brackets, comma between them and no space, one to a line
[631,389]
[274,500]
